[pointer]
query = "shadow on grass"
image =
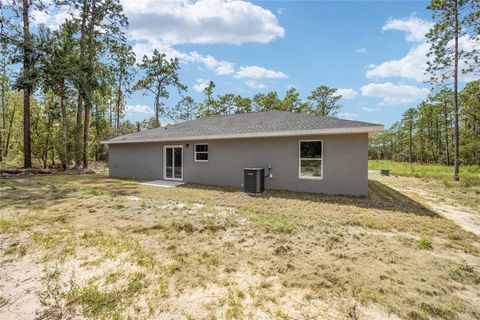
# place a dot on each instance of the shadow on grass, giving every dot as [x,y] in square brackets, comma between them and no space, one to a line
[44,191]
[380,197]
[41,191]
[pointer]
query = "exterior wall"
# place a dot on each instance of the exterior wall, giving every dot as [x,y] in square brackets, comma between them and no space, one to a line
[136,160]
[345,162]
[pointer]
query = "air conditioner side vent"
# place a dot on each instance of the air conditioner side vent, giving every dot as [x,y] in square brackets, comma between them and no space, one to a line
[254,180]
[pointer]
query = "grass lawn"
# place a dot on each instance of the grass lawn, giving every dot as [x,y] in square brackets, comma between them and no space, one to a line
[469,175]
[94,247]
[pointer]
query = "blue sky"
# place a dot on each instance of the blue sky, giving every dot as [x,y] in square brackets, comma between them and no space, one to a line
[374,51]
[323,42]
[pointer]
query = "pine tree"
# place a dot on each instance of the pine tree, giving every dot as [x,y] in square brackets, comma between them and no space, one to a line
[456,20]
[160,73]
[324,101]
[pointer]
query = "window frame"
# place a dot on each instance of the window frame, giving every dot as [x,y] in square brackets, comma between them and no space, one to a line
[321,159]
[195,152]
[164,160]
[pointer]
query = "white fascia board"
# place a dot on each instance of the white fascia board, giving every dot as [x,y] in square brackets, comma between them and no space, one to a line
[371,130]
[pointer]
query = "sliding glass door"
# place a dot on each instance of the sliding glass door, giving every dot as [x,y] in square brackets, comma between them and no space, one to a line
[173,162]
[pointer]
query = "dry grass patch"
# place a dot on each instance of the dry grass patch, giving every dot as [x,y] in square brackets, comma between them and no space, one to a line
[109,248]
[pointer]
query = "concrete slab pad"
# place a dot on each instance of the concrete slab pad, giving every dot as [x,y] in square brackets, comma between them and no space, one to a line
[163,183]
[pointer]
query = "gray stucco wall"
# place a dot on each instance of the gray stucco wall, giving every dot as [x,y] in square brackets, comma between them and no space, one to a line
[136,160]
[345,167]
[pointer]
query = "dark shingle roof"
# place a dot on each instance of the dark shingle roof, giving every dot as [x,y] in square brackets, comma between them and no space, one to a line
[236,125]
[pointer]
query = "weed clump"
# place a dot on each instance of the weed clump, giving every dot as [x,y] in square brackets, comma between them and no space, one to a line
[425,243]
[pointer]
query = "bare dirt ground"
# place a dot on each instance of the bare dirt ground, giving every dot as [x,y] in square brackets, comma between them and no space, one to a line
[91,247]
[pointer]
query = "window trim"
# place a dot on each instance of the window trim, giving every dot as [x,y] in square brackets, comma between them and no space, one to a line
[195,152]
[300,160]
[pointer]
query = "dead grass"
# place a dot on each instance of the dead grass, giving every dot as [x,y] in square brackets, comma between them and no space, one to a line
[94,247]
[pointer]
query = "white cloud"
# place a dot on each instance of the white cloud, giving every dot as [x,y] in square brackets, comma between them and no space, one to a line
[220,67]
[394,94]
[281,10]
[163,24]
[201,85]
[53,16]
[256,72]
[138,109]
[254,84]
[40,16]
[371,109]
[292,85]
[415,28]
[361,50]
[202,21]
[347,115]
[412,66]
[347,93]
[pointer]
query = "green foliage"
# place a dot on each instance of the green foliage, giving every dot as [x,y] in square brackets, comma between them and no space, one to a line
[266,102]
[74,69]
[324,101]
[427,131]
[454,20]
[230,103]
[456,23]
[82,78]
[186,109]
[160,73]
[123,59]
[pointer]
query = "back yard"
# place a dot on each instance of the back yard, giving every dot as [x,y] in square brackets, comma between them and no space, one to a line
[93,247]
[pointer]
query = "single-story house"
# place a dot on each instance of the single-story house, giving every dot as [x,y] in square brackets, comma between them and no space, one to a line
[299,152]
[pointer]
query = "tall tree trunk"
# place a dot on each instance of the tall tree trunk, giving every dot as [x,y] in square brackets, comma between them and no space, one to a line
[27,151]
[64,126]
[110,110]
[9,132]
[85,134]
[78,132]
[97,131]
[52,156]
[89,95]
[456,176]
[3,92]
[119,98]
[410,145]
[445,114]
[157,110]
[421,146]
[47,140]
[81,89]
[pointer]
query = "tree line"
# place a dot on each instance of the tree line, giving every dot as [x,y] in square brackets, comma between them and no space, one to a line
[445,127]
[426,133]
[64,90]
[57,82]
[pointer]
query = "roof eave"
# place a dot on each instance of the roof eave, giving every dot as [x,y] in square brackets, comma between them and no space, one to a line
[371,130]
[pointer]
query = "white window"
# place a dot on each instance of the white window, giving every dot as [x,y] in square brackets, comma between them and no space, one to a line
[201,152]
[310,159]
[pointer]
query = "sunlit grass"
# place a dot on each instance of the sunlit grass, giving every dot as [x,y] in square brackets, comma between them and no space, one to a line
[469,174]
[112,248]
